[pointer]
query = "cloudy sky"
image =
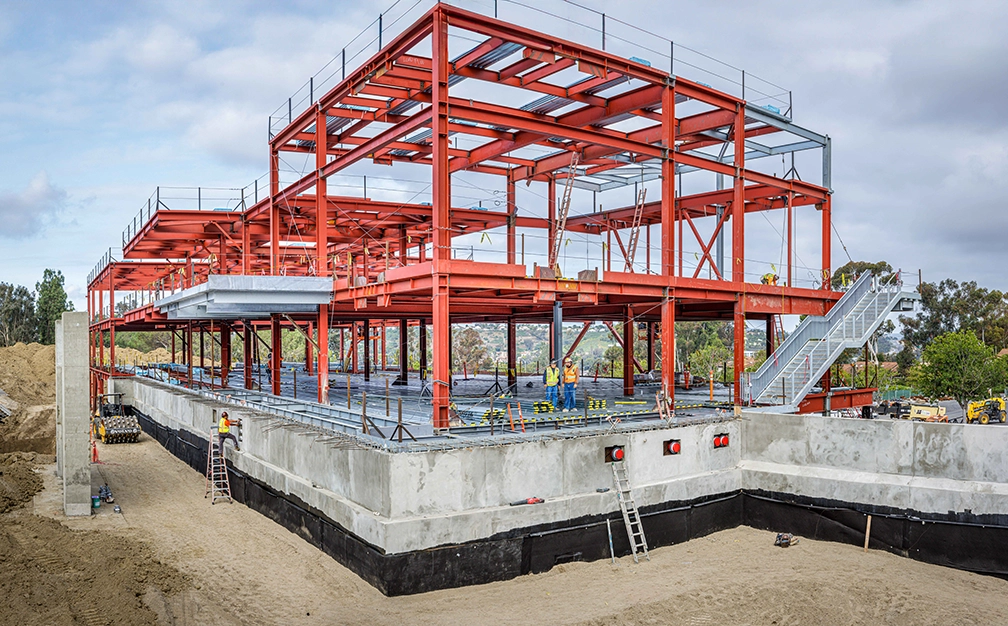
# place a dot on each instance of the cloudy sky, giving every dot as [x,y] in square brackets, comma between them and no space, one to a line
[103,101]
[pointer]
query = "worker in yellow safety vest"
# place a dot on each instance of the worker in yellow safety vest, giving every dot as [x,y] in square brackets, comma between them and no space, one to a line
[570,381]
[551,381]
[224,431]
[770,279]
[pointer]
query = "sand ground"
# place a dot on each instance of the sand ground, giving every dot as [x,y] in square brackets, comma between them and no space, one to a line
[226,564]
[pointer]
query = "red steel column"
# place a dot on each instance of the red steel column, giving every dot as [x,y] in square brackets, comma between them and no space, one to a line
[668,243]
[112,315]
[551,215]
[321,258]
[422,332]
[512,211]
[790,234]
[739,361]
[403,352]
[354,364]
[441,220]
[650,346]
[225,352]
[309,355]
[277,350]
[738,248]
[246,256]
[512,354]
[189,352]
[274,214]
[628,352]
[738,199]
[323,354]
[246,352]
[368,345]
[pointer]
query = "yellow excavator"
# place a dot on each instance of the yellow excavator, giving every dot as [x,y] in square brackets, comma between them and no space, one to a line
[986,411]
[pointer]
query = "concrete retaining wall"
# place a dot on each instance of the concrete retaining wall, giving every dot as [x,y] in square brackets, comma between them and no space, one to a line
[409,522]
[916,466]
[402,502]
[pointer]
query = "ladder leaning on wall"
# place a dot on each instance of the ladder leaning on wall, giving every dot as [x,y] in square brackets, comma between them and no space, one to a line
[217,485]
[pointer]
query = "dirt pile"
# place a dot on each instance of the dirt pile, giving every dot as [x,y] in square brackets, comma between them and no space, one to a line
[18,479]
[28,376]
[131,356]
[50,574]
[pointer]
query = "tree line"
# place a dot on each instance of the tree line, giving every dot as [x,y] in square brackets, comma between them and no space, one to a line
[29,316]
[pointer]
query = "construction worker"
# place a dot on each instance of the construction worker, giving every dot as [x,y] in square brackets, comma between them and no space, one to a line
[570,381]
[224,431]
[770,279]
[551,381]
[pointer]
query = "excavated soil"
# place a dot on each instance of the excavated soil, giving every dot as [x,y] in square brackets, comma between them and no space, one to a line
[28,377]
[52,575]
[170,557]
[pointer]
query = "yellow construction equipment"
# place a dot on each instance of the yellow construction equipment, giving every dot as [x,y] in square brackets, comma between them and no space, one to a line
[928,413]
[986,411]
[114,422]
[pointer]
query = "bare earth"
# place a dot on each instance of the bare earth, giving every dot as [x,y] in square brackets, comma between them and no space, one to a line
[226,564]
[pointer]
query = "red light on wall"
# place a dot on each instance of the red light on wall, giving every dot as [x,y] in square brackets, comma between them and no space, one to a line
[614,454]
[721,440]
[672,446]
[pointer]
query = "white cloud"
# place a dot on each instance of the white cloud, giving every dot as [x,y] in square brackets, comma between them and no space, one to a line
[24,213]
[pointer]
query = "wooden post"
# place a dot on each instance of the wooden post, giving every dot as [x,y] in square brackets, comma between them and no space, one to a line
[867,533]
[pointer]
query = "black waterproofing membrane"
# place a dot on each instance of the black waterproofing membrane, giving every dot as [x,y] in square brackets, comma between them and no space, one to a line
[961,540]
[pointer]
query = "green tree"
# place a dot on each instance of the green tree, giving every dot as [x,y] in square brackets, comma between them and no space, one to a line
[957,364]
[52,302]
[849,272]
[468,349]
[710,357]
[949,306]
[17,315]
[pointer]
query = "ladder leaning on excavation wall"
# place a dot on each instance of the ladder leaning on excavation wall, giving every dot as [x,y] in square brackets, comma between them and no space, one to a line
[217,485]
[631,518]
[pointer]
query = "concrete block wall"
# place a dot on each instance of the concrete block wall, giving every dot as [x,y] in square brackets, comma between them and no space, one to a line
[924,467]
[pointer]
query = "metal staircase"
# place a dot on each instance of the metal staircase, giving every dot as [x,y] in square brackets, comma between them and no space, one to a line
[804,357]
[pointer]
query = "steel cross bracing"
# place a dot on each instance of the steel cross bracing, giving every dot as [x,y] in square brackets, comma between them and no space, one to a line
[620,121]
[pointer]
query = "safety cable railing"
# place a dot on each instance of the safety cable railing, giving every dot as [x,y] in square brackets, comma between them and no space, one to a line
[225,199]
[581,24]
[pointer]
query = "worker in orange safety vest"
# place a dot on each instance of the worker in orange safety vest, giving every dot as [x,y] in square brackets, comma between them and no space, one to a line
[570,381]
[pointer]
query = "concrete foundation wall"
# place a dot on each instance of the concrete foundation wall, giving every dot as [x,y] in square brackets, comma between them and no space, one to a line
[919,466]
[408,501]
[402,502]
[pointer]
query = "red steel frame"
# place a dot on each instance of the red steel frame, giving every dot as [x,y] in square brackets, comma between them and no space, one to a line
[376,252]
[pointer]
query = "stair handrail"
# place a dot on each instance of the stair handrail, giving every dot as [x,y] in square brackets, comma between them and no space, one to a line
[819,325]
[892,291]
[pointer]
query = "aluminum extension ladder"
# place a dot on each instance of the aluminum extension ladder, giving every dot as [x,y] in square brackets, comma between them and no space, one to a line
[217,485]
[631,519]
